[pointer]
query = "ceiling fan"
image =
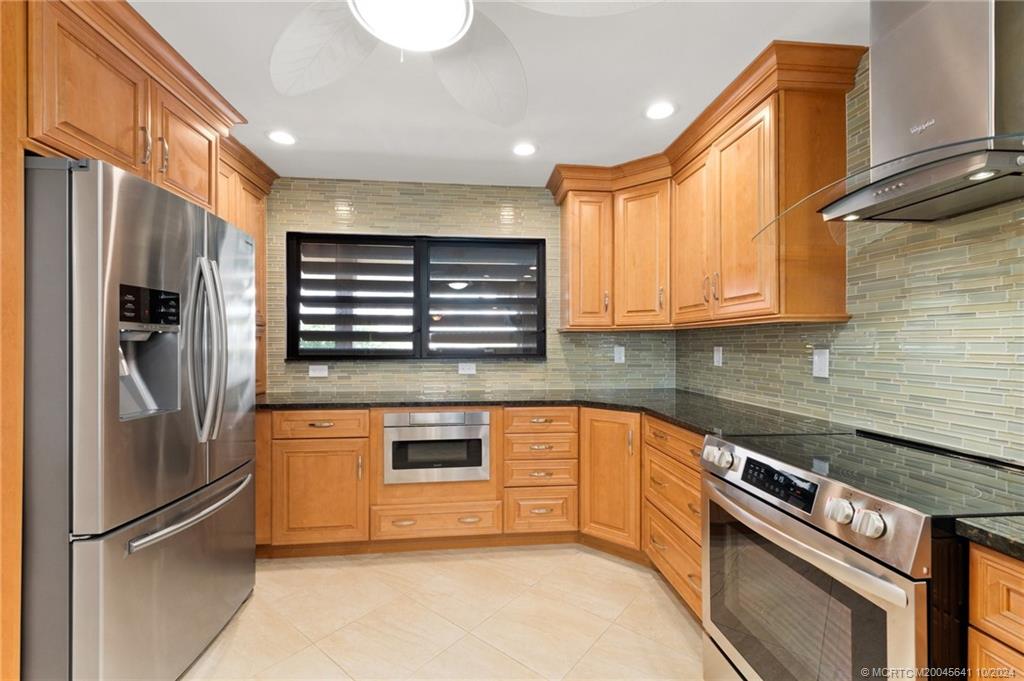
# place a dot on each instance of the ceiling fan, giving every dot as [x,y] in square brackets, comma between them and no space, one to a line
[474,60]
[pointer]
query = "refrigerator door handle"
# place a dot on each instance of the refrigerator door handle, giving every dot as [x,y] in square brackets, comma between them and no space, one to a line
[147,540]
[193,339]
[204,275]
[222,377]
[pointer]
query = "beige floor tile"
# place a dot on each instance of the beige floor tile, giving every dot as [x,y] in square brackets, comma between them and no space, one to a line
[473,660]
[547,636]
[326,607]
[602,564]
[467,592]
[658,614]
[256,639]
[311,664]
[622,654]
[606,593]
[390,642]
[531,564]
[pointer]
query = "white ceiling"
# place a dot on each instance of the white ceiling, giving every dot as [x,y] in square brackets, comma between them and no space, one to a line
[589,82]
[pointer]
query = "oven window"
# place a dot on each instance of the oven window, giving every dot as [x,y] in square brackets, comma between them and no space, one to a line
[787,618]
[417,454]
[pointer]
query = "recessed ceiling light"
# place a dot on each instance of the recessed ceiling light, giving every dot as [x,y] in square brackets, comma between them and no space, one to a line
[281,137]
[981,175]
[851,217]
[661,109]
[415,25]
[524,149]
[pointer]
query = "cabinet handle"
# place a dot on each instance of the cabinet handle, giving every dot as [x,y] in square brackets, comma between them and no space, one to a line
[714,286]
[655,544]
[403,523]
[658,434]
[540,419]
[540,511]
[359,467]
[704,288]
[541,448]
[657,482]
[693,509]
[469,519]
[629,441]
[694,582]
[167,155]
[661,297]
[695,452]
[322,424]
[607,301]
[147,152]
[541,474]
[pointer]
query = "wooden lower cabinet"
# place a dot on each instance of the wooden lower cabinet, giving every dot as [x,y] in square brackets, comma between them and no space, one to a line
[541,419]
[682,445]
[996,599]
[674,489]
[321,423]
[454,519]
[541,446]
[263,479]
[988,658]
[610,476]
[675,554]
[320,491]
[541,473]
[549,509]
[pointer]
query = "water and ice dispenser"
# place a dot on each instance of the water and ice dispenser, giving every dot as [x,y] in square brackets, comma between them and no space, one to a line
[148,351]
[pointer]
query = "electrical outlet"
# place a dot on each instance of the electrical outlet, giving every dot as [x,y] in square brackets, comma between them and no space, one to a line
[717,356]
[819,362]
[467,368]
[620,354]
[318,371]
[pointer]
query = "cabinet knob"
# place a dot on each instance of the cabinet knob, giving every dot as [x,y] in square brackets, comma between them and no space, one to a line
[658,434]
[656,544]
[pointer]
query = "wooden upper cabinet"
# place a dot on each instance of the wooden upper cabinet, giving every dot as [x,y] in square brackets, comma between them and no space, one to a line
[692,224]
[745,273]
[228,181]
[252,209]
[587,235]
[185,150]
[610,476]
[641,257]
[85,96]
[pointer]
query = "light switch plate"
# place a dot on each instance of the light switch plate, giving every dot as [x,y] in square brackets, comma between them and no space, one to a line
[819,362]
[717,355]
[318,371]
[620,354]
[467,368]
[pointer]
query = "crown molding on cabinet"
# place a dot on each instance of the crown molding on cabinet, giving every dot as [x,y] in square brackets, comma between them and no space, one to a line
[251,166]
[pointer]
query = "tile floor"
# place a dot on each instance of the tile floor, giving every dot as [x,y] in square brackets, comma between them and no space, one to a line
[545,612]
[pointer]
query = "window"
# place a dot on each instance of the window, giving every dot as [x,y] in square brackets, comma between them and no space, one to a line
[380,297]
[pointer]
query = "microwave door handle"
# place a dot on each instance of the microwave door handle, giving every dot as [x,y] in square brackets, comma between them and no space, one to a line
[213,330]
[220,377]
[853,577]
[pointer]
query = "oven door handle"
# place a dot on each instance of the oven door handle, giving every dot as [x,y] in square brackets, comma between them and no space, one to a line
[851,576]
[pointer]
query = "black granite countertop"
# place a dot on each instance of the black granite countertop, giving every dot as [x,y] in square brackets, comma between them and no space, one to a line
[699,413]
[1001,533]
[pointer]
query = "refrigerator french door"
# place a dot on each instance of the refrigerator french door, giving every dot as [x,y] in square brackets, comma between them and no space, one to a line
[139,541]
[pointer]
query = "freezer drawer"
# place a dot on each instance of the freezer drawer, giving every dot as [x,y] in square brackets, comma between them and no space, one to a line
[147,600]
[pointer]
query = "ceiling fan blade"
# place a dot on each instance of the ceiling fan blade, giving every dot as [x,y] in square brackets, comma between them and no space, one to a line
[484,74]
[585,8]
[322,43]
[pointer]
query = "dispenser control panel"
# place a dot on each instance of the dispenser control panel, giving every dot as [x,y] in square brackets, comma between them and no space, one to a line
[149,307]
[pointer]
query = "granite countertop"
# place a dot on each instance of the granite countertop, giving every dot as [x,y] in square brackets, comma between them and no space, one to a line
[701,414]
[1001,533]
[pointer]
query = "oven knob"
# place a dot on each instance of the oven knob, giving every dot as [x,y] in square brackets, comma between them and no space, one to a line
[723,458]
[869,523]
[839,510]
[711,453]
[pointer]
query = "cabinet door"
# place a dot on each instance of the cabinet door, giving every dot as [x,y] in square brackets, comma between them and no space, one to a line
[746,277]
[691,234]
[227,192]
[252,211]
[610,476]
[86,97]
[587,235]
[642,255]
[186,150]
[263,473]
[320,491]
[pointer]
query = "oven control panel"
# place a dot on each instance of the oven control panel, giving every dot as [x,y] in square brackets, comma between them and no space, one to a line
[785,486]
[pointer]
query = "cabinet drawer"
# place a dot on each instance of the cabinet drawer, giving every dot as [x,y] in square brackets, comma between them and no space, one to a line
[542,446]
[548,509]
[532,473]
[674,489]
[986,655]
[435,520]
[321,423]
[674,554]
[679,443]
[541,419]
[997,595]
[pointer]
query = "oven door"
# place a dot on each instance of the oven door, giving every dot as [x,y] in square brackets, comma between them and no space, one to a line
[786,602]
[436,454]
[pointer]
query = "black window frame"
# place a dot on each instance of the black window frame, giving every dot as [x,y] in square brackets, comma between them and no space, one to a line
[420,300]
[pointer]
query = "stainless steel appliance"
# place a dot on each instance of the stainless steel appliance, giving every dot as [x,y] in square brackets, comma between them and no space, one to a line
[835,557]
[139,439]
[947,123]
[436,446]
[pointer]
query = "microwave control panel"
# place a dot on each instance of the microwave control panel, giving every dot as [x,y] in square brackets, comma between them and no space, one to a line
[789,488]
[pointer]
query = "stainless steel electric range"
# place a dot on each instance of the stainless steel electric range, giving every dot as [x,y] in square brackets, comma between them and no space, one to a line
[835,556]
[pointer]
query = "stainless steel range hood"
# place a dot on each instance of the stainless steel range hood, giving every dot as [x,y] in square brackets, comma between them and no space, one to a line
[947,111]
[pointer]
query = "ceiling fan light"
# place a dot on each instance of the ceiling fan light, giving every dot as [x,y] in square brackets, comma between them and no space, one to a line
[415,25]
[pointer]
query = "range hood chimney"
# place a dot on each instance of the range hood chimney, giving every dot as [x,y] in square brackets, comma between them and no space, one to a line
[947,111]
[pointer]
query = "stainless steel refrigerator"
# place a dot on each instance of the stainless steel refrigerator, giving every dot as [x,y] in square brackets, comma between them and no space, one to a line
[139,428]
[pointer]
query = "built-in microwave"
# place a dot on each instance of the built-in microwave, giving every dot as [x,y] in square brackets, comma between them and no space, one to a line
[446,446]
